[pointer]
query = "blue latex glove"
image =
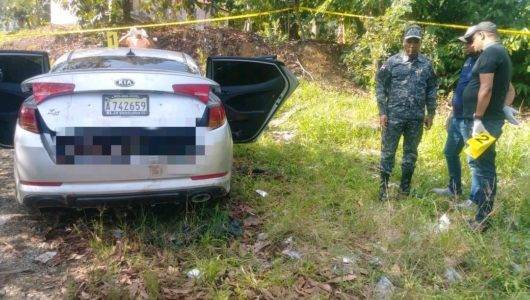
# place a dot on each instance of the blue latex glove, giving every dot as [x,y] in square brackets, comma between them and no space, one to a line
[509,114]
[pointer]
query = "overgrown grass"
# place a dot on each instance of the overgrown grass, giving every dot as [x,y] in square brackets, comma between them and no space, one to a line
[322,189]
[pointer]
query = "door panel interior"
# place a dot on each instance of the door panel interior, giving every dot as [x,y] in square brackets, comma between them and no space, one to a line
[15,67]
[251,90]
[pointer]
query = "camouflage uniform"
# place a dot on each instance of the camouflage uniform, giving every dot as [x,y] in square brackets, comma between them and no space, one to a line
[405,87]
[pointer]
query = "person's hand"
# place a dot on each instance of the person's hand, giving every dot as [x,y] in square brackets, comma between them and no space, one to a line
[383,121]
[427,121]
[478,128]
[509,114]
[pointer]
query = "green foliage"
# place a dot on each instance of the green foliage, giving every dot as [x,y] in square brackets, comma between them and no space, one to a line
[382,38]
[23,13]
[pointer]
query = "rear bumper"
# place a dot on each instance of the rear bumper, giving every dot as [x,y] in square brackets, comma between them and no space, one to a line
[145,192]
[126,199]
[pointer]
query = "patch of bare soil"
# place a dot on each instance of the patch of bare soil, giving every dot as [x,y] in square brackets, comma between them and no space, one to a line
[21,242]
[313,60]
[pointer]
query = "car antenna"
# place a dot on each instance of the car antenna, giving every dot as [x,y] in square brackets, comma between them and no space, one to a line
[130,53]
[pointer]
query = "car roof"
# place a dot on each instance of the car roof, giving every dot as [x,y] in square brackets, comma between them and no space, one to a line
[95,52]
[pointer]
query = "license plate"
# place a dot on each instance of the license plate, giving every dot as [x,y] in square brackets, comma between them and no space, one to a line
[125,105]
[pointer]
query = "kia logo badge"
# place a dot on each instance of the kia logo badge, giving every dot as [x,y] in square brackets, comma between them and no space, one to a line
[124,82]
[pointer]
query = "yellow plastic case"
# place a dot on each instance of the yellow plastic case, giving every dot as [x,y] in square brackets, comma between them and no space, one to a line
[478,144]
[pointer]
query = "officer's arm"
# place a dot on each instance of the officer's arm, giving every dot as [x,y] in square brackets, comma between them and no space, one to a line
[432,87]
[484,93]
[381,87]
[510,95]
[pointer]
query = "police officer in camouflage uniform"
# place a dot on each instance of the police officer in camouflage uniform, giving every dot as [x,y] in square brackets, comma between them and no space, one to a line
[405,86]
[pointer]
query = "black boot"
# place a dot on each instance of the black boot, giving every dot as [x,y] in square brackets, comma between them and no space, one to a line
[406,177]
[383,186]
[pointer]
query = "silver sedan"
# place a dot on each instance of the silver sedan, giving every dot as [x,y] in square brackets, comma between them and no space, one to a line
[111,126]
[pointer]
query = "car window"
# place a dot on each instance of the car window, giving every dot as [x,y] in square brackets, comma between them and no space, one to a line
[122,62]
[231,73]
[17,68]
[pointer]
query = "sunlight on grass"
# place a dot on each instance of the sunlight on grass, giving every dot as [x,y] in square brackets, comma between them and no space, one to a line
[327,199]
[322,186]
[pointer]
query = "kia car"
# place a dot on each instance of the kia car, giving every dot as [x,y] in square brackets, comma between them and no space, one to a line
[121,126]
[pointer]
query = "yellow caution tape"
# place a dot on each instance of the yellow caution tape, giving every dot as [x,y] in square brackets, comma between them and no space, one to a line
[453,26]
[243,16]
[478,144]
[187,22]
[112,39]
[335,13]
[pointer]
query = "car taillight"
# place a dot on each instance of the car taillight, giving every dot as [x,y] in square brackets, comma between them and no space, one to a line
[43,90]
[27,118]
[201,91]
[216,116]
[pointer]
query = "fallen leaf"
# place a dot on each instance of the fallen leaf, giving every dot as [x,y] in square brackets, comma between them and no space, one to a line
[75,256]
[349,277]
[175,293]
[251,221]
[292,254]
[85,295]
[323,286]
[45,257]
[260,245]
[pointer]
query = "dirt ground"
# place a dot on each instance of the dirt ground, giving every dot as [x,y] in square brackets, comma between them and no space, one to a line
[22,239]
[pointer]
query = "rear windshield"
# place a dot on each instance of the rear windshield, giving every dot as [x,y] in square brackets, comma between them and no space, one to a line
[121,62]
[17,68]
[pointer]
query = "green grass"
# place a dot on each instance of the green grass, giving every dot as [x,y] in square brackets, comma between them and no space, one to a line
[322,187]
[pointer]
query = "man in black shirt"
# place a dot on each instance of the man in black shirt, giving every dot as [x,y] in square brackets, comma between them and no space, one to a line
[484,99]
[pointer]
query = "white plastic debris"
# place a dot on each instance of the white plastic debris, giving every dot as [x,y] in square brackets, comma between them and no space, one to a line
[288,241]
[348,260]
[262,236]
[45,257]
[194,273]
[452,275]
[262,193]
[384,288]
[292,254]
[443,224]
[344,265]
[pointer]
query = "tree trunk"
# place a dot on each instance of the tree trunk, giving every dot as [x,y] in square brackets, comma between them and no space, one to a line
[298,22]
[314,29]
[127,8]
[341,32]
[248,22]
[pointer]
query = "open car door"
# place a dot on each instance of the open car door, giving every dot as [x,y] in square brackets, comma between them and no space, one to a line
[15,67]
[251,89]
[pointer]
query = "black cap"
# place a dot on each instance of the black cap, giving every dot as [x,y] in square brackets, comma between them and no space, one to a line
[482,26]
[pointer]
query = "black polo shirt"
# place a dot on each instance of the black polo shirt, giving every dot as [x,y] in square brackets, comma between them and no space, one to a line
[494,59]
